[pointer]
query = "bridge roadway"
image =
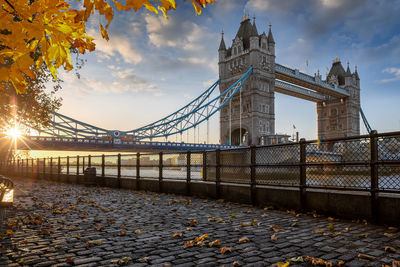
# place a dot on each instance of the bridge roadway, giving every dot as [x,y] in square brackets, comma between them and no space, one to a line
[87,144]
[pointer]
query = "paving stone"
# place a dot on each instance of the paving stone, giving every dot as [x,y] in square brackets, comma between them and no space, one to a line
[117,210]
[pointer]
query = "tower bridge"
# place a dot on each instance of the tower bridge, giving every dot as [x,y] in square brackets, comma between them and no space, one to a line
[251,115]
[248,80]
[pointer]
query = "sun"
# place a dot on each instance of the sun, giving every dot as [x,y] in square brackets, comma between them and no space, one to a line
[14,132]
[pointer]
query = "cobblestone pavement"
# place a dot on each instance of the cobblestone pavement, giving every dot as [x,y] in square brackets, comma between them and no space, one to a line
[63,225]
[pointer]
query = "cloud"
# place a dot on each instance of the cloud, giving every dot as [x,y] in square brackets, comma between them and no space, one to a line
[125,82]
[117,45]
[188,41]
[395,71]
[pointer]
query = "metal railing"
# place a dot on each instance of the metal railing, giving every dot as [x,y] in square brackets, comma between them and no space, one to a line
[368,163]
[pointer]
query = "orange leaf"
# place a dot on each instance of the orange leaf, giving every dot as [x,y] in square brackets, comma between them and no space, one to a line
[243,239]
[215,243]
[177,234]
[225,249]
[10,232]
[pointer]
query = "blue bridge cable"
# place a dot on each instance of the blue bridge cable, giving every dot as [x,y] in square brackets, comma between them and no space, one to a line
[187,117]
[366,123]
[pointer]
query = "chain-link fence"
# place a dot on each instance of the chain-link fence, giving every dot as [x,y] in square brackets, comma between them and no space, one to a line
[369,162]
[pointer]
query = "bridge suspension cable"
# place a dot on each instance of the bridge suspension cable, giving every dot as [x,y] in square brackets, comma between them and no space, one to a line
[189,116]
[366,123]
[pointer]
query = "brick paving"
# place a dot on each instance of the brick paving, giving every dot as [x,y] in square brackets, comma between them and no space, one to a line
[56,224]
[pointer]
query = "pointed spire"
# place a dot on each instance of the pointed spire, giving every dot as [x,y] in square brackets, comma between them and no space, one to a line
[254,31]
[222,44]
[348,72]
[356,73]
[270,37]
[245,16]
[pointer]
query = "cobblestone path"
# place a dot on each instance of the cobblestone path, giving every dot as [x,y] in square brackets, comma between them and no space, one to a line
[56,224]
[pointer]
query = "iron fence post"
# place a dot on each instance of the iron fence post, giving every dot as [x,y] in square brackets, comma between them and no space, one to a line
[37,167]
[18,170]
[59,168]
[77,167]
[89,161]
[218,173]
[119,170]
[33,167]
[67,165]
[374,176]
[103,164]
[44,168]
[160,173]
[51,167]
[253,189]
[137,171]
[204,166]
[303,174]
[188,167]
[83,164]
[27,167]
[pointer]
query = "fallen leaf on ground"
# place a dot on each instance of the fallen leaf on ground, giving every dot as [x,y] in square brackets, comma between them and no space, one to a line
[122,233]
[273,237]
[10,232]
[236,263]
[45,232]
[122,260]
[366,257]
[331,219]
[243,239]
[98,227]
[331,227]
[138,232]
[389,234]
[72,229]
[215,243]
[177,235]
[233,214]
[390,249]
[244,224]
[69,260]
[362,235]
[189,244]
[92,243]
[201,238]
[225,249]
[340,263]
[192,222]
[395,229]
[318,231]
[144,259]
[276,228]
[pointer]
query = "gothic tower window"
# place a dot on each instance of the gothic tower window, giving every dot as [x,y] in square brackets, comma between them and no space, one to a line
[234,51]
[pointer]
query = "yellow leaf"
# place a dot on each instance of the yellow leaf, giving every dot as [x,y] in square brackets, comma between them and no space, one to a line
[273,237]
[104,33]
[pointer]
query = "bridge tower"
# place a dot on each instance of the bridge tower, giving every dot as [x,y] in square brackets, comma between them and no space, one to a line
[340,117]
[250,114]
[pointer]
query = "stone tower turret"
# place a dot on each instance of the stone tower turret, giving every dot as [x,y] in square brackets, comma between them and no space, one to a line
[340,117]
[250,115]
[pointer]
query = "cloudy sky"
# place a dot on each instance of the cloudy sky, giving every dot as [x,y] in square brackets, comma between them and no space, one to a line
[152,66]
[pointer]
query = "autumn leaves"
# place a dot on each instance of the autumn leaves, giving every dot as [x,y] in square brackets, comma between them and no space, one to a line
[37,33]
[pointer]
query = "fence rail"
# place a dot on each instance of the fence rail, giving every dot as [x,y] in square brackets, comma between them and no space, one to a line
[360,163]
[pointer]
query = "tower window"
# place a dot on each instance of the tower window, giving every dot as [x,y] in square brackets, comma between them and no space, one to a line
[264,46]
[234,51]
[239,49]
